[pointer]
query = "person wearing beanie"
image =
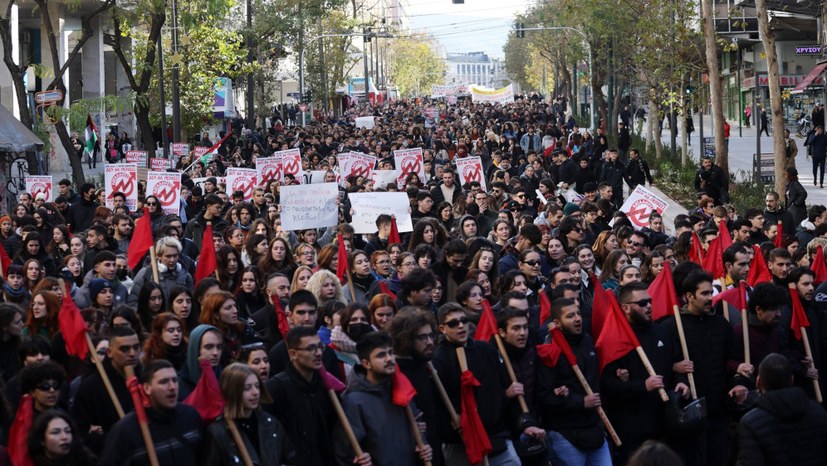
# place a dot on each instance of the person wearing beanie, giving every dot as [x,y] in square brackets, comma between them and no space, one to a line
[205,343]
[211,185]
[101,294]
[570,208]
[13,289]
[10,240]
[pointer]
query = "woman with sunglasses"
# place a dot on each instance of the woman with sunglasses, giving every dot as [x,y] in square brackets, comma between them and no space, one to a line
[45,383]
[530,265]
[166,340]
[156,213]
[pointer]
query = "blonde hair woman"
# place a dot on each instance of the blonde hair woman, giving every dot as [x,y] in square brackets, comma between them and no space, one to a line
[325,287]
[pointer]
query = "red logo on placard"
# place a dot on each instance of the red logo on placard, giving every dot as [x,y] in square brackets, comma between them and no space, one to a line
[40,187]
[272,172]
[639,212]
[293,166]
[123,182]
[165,192]
[360,168]
[244,184]
[471,173]
[409,165]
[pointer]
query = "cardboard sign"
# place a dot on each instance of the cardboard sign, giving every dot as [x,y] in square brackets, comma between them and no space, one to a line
[39,184]
[122,177]
[315,177]
[367,122]
[291,162]
[180,149]
[382,178]
[640,205]
[470,169]
[309,206]
[241,179]
[166,186]
[159,164]
[408,161]
[138,157]
[368,206]
[355,164]
[268,169]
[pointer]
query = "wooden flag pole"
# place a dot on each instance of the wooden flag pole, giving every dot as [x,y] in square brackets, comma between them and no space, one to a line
[510,370]
[337,405]
[452,413]
[106,382]
[415,430]
[129,371]
[651,370]
[745,333]
[600,412]
[153,258]
[685,350]
[463,366]
[350,286]
[239,442]
[809,352]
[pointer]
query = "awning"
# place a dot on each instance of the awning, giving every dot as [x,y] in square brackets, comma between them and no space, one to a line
[14,136]
[808,80]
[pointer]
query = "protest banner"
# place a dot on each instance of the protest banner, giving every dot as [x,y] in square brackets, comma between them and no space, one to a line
[315,177]
[309,206]
[241,179]
[640,205]
[291,162]
[268,169]
[366,122]
[408,161]
[138,157]
[166,186]
[122,177]
[447,90]
[39,184]
[470,169]
[368,206]
[382,178]
[160,165]
[180,149]
[502,95]
[355,164]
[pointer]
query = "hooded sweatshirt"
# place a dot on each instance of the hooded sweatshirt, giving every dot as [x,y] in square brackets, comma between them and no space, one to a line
[191,373]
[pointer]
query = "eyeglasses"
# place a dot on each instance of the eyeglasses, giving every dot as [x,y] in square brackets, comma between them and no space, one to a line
[46,386]
[642,302]
[424,337]
[454,323]
[150,204]
[313,348]
[635,244]
[532,263]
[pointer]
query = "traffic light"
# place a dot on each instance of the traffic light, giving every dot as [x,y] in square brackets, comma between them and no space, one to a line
[307,97]
[520,30]
[458,2]
[368,33]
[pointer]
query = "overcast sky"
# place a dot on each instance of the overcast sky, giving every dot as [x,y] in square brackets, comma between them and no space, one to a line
[477,25]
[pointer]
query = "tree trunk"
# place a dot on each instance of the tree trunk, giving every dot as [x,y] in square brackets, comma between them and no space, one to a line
[654,119]
[715,90]
[684,114]
[75,161]
[774,84]
[17,72]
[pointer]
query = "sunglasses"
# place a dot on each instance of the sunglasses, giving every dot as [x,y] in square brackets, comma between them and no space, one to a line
[150,204]
[45,387]
[531,263]
[454,323]
[642,302]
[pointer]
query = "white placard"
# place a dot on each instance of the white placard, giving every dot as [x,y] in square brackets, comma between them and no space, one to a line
[166,186]
[268,169]
[640,205]
[313,177]
[241,179]
[365,122]
[368,206]
[39,184]
[122,177]
[309,206]
[355,163]
[408,161]
[470,169]
[382,178]
[291,162]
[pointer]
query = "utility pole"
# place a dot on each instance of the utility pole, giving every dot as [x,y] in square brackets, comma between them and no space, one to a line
[176,95]
[323,68]
[251,117]
[164,138]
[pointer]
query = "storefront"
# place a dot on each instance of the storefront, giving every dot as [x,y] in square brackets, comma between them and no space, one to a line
[809,91]
[799,92]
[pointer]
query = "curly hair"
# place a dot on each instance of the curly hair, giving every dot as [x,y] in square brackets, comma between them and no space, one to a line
[314,285]
[405,325]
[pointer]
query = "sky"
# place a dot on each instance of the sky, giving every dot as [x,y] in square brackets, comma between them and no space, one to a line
[477,25]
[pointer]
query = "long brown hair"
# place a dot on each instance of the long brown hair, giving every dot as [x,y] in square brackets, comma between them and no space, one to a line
[49,322]
[209,312]
[154,345]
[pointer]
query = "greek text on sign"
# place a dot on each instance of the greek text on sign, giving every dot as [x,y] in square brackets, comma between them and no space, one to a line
[640,205]
[408,161]
[470,169]
[137,156]
[158,164]
[122,177]
[355,164]
[291,162]
[503,95]
[180,149]
[166,187]
[241,179]
[306,206]
[368,206]
[268,169]
[39,184]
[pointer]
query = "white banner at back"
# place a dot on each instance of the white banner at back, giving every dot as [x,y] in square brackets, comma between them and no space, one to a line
[39,184]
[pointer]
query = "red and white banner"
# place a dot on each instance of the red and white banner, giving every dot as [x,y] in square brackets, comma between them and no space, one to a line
[122,177]
[39,184]
[137,156]
[241,179]
[355,164]
[408,161]
[166,186]
[180,149]
[640,204]
[291,162]
[268,169]
[158,164]
[470,169]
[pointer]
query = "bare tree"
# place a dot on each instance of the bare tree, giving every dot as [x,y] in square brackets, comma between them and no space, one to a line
[716,92]
[17,71]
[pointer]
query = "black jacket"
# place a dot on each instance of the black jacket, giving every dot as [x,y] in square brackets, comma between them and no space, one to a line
[714,182]
[637,172]
[93,407]
[269,449]
[612,174]
[426,398]
[786,428]
[81,215]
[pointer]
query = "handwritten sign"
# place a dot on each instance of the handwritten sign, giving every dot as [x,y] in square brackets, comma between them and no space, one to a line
[268,169]
[39,184]
[166,186]
[408,161]
[367,122]
[123,178]
[368,206]
[241,179]
[309,206]
[470,169]
[137,156]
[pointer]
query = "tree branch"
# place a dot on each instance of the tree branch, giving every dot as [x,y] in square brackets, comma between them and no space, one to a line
[86,26]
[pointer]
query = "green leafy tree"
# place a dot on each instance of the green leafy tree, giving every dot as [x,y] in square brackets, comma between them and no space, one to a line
[414,66]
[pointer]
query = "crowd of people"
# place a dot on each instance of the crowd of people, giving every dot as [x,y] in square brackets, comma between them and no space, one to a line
[536,247]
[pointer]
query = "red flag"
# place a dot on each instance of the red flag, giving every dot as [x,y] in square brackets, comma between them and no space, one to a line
[72,326]
[545,307]
[723,233]
[713,259]
[141,240]
[139,399]
[550,353]
[600,306]
[819,267]
[341,266]
[696,251]
[5,261]
[19,433]
[402,391]
[487,327]
[207,263]
[393,237]
[476,441]
[758,271]
[778,241]
[330,381]
[383,287]
[207,398]
[663,294]
[799,318]
[281,317]
[732,296]
[617,338]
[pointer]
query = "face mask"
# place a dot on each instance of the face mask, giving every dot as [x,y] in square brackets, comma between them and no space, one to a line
[121,274]
[357,331]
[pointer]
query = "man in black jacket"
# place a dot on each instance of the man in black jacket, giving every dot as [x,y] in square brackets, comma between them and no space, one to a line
[786,428]
[177,431]
[711,180]
[265,320]
[81,214]
[450,270]
[637,170]
[612,174]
